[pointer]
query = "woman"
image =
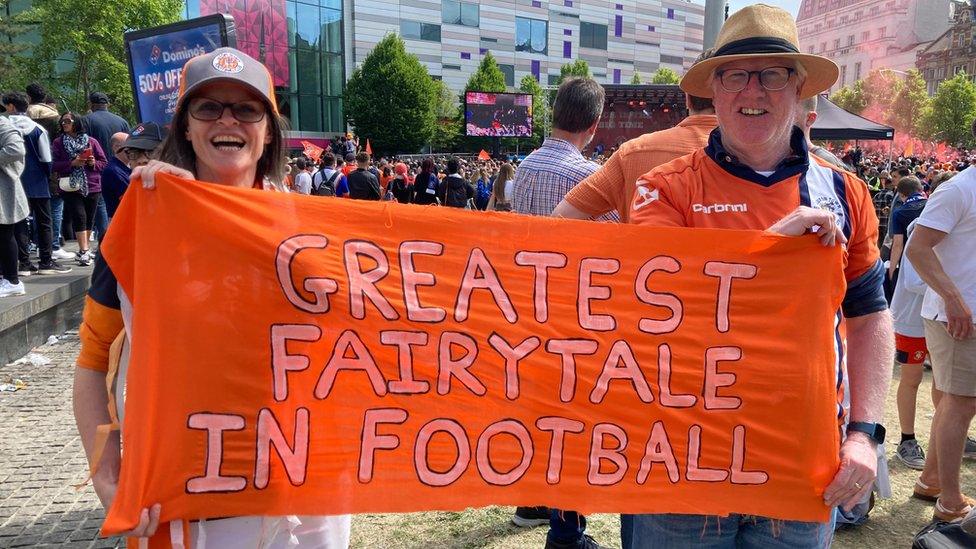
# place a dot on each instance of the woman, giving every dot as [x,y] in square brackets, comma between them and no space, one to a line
[501,189]
[13,206]
[226,131]
[80,158]
[399,186]
[426,183]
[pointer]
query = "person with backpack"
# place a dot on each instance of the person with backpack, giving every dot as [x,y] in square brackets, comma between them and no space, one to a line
[329,181]
[454,191]
[426,183]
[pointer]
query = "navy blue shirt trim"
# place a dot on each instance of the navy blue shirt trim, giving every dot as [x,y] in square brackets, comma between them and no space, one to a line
[841,191]
[104,287]
[794,164]
[865,294]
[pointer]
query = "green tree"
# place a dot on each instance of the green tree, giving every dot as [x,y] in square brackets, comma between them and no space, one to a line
[540,109]
[488,78]
[851,98]
[11,49]
[93,39]
[578,69]
[447,130]
[953,110]
[636,79]
[909,103]
[391,99]
[665,75]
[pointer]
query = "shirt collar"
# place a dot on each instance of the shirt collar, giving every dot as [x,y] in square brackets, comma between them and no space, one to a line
[795,163]
[562,144]
[709,120]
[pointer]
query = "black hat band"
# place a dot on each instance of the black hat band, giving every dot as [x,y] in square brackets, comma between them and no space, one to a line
[757,44]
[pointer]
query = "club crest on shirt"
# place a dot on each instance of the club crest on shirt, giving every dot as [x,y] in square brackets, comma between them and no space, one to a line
[645,196]
[831,204]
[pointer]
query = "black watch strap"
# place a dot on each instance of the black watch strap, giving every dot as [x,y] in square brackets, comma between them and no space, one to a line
[874,430]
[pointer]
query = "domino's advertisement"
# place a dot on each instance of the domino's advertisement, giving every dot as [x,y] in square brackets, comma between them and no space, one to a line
[157,62]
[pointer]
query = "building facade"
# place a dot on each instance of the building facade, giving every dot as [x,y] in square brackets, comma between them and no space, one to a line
[951,53]
[865,35]
[533,37]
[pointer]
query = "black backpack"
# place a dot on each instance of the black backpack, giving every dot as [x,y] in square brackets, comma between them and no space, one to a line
[943,535]
[326,187]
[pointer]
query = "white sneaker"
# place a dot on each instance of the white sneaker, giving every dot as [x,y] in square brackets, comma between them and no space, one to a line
[61,253]
[9,290]
[84,259]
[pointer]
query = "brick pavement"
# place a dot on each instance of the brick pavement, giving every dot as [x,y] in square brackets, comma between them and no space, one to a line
[41,457]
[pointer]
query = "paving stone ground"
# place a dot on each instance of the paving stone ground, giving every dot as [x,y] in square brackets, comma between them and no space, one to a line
[41,457]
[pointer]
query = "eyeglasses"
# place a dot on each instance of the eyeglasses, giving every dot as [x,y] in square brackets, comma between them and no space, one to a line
[772,78]
[67,121]
[208,110]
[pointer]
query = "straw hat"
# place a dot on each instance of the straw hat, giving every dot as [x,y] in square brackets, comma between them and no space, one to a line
[760,31]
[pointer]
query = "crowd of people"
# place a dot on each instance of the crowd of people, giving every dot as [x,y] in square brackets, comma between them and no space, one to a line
[907,226]
[63,182]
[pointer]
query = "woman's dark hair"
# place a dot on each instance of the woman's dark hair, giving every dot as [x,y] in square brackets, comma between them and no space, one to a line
[77,123]
[387,171]
[428,166]
[177,150]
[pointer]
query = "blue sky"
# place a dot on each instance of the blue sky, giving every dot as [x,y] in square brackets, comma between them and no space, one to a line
[789,5]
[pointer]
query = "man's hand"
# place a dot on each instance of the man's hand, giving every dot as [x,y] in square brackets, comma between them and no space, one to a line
[855,477]
[960,318]
[804,219]
[148,523]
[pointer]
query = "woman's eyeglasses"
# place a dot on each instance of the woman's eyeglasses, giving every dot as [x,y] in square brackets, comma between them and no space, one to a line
[772,78]
[208,110]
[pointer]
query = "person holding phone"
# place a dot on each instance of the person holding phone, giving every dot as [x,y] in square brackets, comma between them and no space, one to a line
[78,162]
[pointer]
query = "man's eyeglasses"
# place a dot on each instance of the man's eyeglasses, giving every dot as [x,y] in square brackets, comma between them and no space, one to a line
[208,110]
[772,78]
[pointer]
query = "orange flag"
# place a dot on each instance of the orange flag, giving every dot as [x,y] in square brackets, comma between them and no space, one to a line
[398,367]
[312,150]
[483,155]
[369,149]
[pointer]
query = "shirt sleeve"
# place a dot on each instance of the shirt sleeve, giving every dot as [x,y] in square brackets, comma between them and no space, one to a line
[944,209]
[655,204]
[100,325]
[598,193]
[864,271]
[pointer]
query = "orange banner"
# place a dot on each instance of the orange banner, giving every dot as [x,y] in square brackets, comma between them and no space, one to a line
[312,150]
[346,356]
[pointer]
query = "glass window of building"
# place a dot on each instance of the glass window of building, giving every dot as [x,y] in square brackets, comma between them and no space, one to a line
[509,72]
[593,36]
[531,35]
[416,30]
[460,13]
[307,28]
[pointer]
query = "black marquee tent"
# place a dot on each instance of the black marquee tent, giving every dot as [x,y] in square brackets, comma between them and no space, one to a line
[834,123]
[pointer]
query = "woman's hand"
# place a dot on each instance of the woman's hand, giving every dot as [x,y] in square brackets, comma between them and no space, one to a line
[77,161]
[149,171]
[148,523]
[90,162]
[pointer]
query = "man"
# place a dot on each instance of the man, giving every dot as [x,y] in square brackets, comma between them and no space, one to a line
[913,200]
[758,159]
[541,182]
[103,124]
[39,111]
[136,149]
[303,177]
[612,187]
[329,181]
[34,179]
[941,250]
[115,176]
[546,175]
[363,185]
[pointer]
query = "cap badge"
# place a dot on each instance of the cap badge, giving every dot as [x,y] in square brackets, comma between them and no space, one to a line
[228,62]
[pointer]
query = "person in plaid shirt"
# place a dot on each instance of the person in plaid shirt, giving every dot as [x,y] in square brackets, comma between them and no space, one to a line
[546,175]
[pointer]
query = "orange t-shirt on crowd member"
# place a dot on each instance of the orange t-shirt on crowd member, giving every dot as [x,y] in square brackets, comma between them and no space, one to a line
[612,186]
[348,168]
[384,181]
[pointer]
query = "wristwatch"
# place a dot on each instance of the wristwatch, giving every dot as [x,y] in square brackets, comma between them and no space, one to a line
[874,430]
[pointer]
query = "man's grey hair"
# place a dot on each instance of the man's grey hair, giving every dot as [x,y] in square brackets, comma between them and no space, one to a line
[579,104]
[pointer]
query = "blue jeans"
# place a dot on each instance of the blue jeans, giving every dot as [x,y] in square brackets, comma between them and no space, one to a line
[733,531]
[57,216]
[566,526]
[101,218]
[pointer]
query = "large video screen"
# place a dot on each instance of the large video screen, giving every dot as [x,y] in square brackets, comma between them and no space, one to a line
[498,114]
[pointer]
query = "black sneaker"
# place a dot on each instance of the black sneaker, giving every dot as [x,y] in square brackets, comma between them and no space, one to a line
[26,268]
[527,517]
[585,542]
[52,267]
